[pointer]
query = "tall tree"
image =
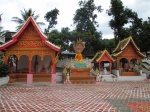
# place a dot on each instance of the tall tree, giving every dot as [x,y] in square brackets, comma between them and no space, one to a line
[25,14]
[85,17]
[122,16]
[119,17]
[51,18]
[140,33]
[138,28]
[2,32]
[60,38]
[85,21]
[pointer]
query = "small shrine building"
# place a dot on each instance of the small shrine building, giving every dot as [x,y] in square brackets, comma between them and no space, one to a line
[128,57]
[29,52]
[101,58]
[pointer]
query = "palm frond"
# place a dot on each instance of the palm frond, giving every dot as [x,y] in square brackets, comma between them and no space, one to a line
[25,14]
[17,20]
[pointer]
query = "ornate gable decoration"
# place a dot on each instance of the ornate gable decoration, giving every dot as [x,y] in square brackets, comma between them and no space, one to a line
[21,31]
[123,44]
[99,55]
[79,46]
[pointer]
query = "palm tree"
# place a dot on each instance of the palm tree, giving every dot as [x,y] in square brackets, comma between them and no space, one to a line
[2,32]
[25,15]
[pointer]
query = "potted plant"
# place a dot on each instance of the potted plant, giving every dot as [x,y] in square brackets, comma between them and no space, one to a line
[4,73]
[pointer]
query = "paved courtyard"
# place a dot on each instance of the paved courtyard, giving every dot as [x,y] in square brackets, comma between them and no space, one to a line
[102,97]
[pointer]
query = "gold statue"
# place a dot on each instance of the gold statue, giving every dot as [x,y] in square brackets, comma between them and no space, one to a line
[78,56]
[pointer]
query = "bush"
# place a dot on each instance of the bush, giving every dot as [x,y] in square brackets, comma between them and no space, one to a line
[4,69]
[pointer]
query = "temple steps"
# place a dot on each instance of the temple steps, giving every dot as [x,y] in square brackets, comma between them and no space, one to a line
[16,77]
[82,79]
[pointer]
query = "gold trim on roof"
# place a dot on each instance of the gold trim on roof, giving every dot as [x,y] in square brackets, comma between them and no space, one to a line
[115,54]
[96,55]
[116,46]
[123,44]
[105,51]
[100,54]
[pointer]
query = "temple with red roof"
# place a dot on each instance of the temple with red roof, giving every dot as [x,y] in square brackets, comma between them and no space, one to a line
[30,52]
[101,58]
[128,57]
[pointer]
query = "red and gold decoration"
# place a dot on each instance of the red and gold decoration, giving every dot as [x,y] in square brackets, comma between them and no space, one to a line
[30,42]
[125,53]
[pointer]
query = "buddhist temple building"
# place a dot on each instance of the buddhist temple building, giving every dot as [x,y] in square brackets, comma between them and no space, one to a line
[102,58]
[128,57]
[30,53]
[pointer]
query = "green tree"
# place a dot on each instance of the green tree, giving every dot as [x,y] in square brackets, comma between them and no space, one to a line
[51,18]
[61,38]
[86,24]
[145,35]
[122,16]
[108,44]
[119,17]
[85,18]
[140,33]
[2,32]
[25,14]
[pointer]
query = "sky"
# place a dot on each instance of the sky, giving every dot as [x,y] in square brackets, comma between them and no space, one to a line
[67,8]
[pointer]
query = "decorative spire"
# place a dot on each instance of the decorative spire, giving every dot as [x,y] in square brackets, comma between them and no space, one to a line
[30,12]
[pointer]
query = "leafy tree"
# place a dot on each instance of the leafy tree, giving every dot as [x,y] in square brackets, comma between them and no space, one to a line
[85,21]
[145,35]
[138,28]
[2,32]
[108,44]
[25,15]
[54,37]
[124,16]
[119,18]
[51,17]
[85,18]
[60,38]
[140,33]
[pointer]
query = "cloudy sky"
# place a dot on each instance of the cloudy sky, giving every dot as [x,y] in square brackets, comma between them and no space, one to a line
[67,8]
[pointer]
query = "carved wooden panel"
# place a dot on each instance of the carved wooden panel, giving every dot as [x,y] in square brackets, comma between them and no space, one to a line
[30,53]
[30,33]
[29,45]
[130,52]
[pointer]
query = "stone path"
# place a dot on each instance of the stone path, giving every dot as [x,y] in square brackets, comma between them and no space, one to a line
[102,97]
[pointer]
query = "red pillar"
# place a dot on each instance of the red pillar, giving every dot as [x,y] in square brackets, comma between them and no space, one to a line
[110,68]
[54,73]
[29,75]
[30,66]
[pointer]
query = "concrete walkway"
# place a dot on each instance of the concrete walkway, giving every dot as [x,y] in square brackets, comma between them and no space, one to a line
[103,97]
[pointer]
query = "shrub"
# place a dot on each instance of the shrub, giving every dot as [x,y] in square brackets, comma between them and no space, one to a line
[4,69]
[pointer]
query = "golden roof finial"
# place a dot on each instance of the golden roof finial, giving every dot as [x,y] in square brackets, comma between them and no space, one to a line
[30,12]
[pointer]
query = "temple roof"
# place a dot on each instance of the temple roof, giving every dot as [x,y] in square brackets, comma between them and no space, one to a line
[40,33]
[123,44]
[102,54]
